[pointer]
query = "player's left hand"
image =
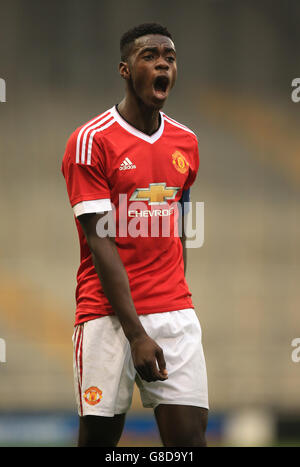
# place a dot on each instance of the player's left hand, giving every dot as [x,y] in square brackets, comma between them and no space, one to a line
[146,355]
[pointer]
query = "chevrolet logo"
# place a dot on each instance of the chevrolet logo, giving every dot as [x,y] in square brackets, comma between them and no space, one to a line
[157,193]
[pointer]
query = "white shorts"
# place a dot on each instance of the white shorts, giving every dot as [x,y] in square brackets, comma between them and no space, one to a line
[104,374]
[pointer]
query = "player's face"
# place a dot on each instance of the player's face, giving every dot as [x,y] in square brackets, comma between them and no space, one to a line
[153,69]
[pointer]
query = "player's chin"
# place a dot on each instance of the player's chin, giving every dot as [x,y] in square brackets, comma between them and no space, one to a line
[158,98]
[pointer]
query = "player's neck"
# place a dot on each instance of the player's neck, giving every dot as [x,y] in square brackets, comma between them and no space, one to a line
[143,118]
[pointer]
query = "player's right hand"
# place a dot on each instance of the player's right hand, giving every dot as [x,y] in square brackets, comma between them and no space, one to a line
[146,355]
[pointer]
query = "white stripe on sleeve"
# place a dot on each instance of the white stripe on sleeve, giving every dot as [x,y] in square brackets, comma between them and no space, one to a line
[88,207]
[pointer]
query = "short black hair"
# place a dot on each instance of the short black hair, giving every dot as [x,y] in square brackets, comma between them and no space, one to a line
[138,31]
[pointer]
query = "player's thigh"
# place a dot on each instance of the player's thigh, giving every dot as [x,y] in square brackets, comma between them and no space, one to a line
[103,372]
[181,425]
[96,431]
[179,335]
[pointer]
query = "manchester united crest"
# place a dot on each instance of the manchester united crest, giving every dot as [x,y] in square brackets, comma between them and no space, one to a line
[180,163]
[92,395]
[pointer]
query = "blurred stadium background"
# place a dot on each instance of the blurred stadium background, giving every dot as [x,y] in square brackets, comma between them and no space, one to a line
[236,61]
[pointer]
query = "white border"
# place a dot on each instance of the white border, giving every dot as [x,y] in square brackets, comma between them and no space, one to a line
[134,131]
[88,207]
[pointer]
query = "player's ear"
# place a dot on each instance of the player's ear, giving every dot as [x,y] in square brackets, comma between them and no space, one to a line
[124,70]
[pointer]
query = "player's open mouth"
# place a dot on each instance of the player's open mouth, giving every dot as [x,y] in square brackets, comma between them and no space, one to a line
[161,84]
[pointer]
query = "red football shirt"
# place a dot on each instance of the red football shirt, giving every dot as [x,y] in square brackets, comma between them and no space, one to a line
[109,164]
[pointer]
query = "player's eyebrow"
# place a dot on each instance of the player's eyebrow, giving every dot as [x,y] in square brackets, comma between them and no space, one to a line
[155,50]
[170,50]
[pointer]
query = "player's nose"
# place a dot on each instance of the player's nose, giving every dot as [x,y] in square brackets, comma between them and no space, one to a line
[161,64]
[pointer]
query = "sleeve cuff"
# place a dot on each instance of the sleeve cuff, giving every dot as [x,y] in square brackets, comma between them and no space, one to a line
[88,207]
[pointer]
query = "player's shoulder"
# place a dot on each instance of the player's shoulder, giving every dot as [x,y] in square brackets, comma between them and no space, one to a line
[179,128]
[98,123]
[82,137]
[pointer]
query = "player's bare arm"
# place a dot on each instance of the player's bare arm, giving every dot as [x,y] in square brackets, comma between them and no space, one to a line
[114,280]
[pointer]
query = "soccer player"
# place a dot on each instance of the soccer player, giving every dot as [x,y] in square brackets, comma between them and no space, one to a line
[135,320]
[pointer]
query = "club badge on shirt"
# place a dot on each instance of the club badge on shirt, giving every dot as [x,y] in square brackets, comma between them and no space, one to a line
[180,162]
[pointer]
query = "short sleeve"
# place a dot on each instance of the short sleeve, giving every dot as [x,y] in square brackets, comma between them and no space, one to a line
[87,184]
[193,164]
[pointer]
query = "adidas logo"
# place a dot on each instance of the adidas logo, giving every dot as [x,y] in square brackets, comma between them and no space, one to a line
[127,164]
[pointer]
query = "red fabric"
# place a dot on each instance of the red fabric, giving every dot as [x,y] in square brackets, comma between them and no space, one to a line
[154,265]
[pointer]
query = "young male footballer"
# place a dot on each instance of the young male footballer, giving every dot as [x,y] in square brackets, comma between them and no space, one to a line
[135,320]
